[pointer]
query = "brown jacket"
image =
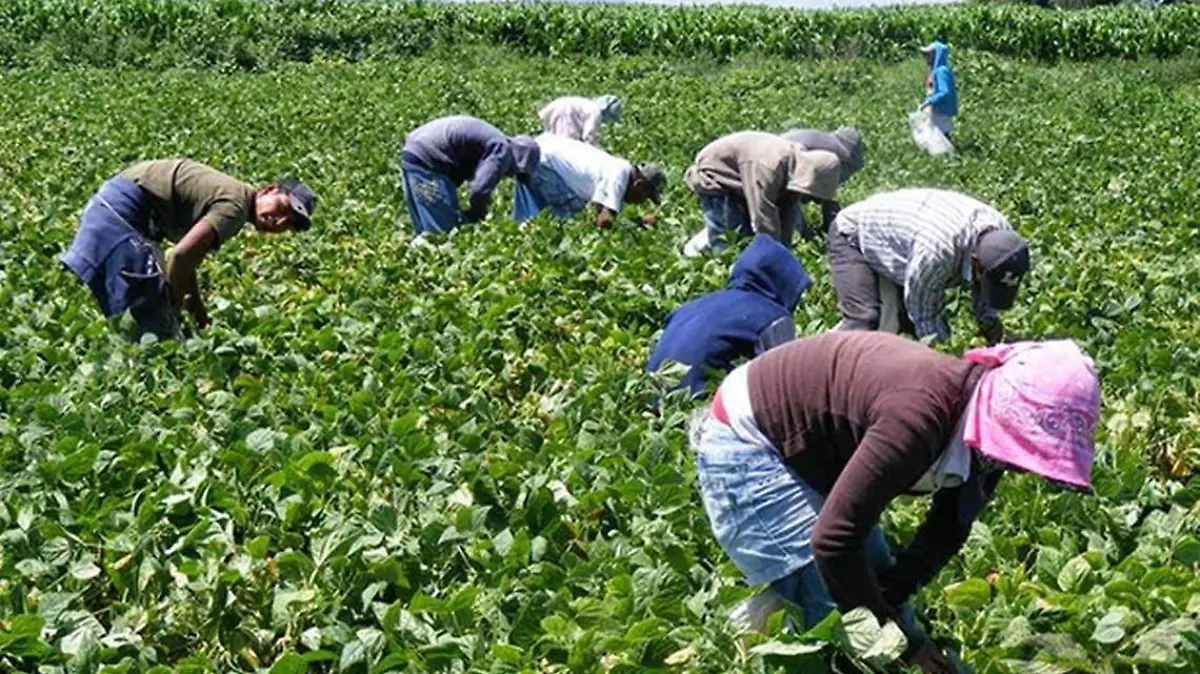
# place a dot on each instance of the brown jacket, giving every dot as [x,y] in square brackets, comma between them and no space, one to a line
[861,416]
[769,172]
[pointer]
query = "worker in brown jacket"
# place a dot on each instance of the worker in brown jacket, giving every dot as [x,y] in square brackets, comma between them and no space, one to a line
[752,182]
[804,447]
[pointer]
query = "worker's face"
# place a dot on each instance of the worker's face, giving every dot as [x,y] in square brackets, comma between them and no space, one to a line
[273,211]
[639,190]
[976,274]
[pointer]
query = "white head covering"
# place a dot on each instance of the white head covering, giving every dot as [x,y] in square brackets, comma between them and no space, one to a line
[610,108]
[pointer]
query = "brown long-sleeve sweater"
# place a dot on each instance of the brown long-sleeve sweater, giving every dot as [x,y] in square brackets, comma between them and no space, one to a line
[861,416]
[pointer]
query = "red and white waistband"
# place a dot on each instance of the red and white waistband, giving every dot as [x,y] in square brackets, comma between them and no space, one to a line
[731,406]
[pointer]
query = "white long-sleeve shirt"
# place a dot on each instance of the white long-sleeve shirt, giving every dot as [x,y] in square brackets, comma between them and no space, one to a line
[922,239]
[590,172]
[572,116]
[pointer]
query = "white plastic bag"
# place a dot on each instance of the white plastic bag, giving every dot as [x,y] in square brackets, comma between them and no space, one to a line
[927,136]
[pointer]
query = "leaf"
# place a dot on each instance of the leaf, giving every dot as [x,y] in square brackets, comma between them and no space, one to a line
[1187,551]
[684,654]
[969,595]
[1075,575]
[1160,645]
[1193,605]
[262,440]
[782,649]
[875,643]
[85,570]
[353,653]
[258,547]
[503,542]
[24,637]
[32,568]
[1109,629]
[1037,667]
[888,648]
[288,603]
[289,663]
[1017,633]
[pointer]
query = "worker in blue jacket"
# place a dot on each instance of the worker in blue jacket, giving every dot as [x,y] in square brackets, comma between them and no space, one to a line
[752,315]
[941,100]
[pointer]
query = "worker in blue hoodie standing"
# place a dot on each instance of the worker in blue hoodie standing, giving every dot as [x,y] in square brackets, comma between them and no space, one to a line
[941,94]
[753,314]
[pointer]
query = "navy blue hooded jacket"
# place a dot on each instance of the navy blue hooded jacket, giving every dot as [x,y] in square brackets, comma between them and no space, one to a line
[713,331]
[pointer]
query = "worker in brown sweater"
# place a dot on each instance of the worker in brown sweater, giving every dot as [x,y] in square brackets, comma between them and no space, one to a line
[804,447]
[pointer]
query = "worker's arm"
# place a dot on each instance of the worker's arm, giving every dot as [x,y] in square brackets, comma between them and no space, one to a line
[184,259]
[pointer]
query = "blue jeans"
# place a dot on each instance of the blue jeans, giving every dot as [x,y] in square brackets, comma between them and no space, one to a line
[546,189]
[724,213]
[432,200]
[763,515]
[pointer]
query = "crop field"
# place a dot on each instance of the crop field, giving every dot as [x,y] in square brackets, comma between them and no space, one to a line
[444,459]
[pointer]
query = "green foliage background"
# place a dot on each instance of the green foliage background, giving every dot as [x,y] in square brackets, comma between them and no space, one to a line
[442,459]
[253,34]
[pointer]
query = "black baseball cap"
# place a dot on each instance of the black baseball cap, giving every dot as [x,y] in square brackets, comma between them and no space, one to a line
[303,202]
[656,176]
[1004,257]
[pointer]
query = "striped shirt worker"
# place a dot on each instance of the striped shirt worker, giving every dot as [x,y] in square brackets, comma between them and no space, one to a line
[925,241]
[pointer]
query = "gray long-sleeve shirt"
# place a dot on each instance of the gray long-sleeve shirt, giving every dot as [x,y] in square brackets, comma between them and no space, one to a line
[463,148]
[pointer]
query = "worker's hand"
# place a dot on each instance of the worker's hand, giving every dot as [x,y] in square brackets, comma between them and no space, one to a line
[604,218]
[478,208]
[930,659]
[195,307]
[648,220]
[992,331]
[927,108]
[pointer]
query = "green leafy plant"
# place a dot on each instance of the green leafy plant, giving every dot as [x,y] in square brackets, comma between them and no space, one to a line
[383,458]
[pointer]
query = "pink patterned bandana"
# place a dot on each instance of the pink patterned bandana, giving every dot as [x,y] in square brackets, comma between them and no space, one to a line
[1036,409]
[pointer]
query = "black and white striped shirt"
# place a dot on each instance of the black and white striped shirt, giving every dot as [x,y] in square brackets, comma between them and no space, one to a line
[922,239]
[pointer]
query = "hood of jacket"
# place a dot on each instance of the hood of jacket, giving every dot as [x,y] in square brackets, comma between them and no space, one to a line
[815,173]
[851,140]
[941,54]
[769,268]
[526,155]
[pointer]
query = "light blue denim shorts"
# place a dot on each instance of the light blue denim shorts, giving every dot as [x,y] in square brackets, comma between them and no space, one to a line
[761,512]
[764,515]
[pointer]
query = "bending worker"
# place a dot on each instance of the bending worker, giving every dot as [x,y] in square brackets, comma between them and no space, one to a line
[846,143]
[804,447]
[571,174]
[116,251]
[752,182]
[752,315]
[580,118]
[921,242]
[443,154]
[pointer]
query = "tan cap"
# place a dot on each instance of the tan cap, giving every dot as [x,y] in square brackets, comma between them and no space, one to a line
[817,173]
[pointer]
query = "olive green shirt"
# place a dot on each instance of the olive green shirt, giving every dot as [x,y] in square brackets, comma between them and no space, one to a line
[183,192]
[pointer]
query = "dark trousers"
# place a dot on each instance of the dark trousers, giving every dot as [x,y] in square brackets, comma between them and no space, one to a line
[857,285]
